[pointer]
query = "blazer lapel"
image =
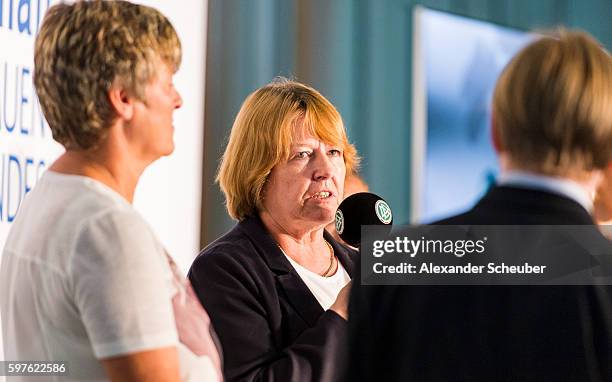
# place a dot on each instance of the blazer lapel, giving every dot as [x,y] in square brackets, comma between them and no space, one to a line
[300,297]
[297,293]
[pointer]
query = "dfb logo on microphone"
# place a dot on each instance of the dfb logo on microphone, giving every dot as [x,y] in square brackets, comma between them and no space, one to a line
[383,211]
[339,222]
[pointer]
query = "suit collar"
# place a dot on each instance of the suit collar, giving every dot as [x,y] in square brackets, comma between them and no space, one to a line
[554,185]
[535,202]
[266,246]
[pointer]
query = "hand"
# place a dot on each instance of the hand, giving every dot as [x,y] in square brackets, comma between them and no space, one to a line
[340,306]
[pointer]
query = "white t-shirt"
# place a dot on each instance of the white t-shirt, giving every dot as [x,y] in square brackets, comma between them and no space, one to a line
[84,278]
[325,289]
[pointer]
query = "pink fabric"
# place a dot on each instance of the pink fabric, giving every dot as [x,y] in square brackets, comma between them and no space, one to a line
[192,321]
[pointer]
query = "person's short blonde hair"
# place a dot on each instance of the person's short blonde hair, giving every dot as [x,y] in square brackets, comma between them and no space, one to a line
[552,106]
[261,137]
[83,49]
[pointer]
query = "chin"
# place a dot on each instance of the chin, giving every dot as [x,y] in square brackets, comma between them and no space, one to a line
[326,218]
[168,150]
[320,214]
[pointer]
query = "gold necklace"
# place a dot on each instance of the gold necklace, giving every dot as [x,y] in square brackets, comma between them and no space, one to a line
[331,257]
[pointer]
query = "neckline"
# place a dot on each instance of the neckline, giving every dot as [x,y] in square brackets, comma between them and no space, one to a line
[88,181]
[330,278]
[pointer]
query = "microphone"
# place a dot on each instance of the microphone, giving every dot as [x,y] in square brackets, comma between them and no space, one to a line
[362,208]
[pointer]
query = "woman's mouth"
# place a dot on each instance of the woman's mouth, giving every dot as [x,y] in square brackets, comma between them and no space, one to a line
[321,195]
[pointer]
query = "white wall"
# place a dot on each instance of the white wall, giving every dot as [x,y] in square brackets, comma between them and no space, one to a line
[169,192]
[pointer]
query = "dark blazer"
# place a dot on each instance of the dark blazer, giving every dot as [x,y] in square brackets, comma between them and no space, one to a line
[270,325]
[486,333]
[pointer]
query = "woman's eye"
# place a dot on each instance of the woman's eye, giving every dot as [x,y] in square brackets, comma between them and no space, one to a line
[335,152]
[303,154]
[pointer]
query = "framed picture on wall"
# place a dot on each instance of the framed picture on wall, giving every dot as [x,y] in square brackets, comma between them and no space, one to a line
[456,61]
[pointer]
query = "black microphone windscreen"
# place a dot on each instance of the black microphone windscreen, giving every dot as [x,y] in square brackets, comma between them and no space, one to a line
[359,209]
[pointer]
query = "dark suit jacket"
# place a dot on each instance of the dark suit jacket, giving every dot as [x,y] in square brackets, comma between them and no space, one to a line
[270,325]
[486,333]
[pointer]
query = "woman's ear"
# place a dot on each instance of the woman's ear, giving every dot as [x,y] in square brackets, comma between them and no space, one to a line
[122,102]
